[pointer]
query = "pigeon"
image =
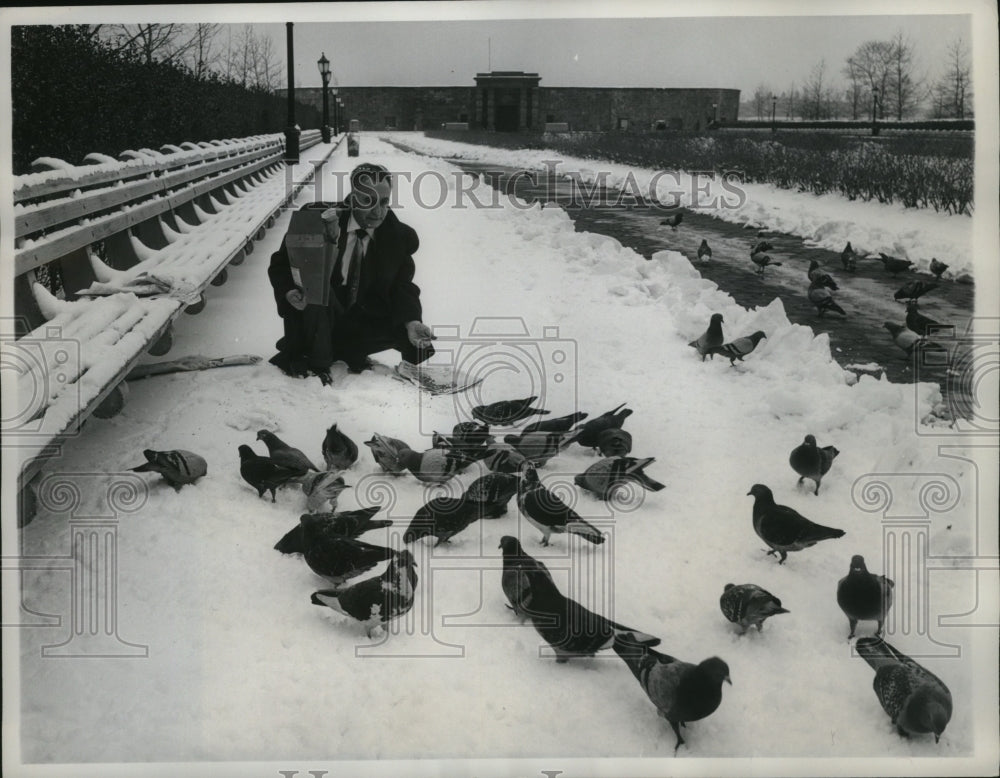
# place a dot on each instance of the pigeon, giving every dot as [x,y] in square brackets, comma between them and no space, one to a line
[471,435]
[519,568]
[820,297]
[284,454]
[350,524]
[375,601]
[937,268]
[590,431]
[911,290]
[548,513]
[503,458]
[560,424]
[614,443]
[849,259]
[385,451]
[810,461]
[491,493]
[539,447]
[263,473]
[335,556]
[178,467]
[606,476]
[917,701]
[782,528]
[322,490]
[740,347]
[680,691]
[894,265]
[864,596]
[761,247]
[571,629]
[434,466]
[762,260]
[826,280]
[704,250]
[674,221]
[710,339]
[905,338]
[815,269]
[748,605]
[920,324]
[339,451]
[507,412]
[442,517]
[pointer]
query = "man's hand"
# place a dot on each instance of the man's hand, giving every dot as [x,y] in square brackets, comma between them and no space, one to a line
[296,299]
[419,334]
[331,222]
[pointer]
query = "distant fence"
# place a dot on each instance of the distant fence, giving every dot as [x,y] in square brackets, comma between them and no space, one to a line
[884,125]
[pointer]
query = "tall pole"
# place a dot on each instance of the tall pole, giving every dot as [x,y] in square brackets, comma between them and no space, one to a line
[875,111]
[291,131]
[774,109]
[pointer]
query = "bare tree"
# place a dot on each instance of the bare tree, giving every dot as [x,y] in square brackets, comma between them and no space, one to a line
[815,92]
[953,92]
[854,94]
[252,62]
[203,56]
[872,61]
[791,97]
[762,101]
[905,90]
[151,42]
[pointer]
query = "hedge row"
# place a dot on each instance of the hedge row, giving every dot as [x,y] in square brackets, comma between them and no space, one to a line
[72,95]
[859,169]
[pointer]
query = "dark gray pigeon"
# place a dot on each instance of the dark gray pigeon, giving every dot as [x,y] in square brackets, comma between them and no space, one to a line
[386,451]
[590,431]
[339,451]
[782,528]
[284,454]
[710,339]
[546,511]
[606,476]
[864,596]
[821,297]
[614,443]
[704,250]
[263,473]
[507,412]
[681,691]
[519,568]
[351,524]
[917,701]
[811,461]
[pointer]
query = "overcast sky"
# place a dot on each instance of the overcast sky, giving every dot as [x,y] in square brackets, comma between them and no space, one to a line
[729,44]
[729,52]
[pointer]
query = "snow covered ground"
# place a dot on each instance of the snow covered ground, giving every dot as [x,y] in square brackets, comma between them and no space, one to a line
[828,221]
[241,667]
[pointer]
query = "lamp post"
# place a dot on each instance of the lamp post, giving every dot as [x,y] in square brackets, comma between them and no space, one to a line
[291,130]
[324,71]
[336,115]
[875,110]
[774,110]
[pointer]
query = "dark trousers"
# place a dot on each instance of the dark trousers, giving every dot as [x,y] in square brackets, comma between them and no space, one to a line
[310,338]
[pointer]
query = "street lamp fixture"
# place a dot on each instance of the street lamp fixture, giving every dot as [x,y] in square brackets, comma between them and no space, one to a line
[324,70]
[875,110]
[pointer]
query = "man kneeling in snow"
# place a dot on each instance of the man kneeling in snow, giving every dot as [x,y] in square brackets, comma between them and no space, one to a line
[371,304]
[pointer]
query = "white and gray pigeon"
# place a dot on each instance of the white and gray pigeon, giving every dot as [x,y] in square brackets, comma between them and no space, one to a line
[748,605]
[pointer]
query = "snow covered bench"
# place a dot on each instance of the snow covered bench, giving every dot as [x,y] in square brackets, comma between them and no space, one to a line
[108,253]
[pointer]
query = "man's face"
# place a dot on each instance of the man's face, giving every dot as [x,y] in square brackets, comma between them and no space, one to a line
[371,203]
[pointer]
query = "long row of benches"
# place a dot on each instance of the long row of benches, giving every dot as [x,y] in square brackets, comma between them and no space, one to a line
[107,255]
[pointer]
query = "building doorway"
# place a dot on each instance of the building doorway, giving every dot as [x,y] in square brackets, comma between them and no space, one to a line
[507,117]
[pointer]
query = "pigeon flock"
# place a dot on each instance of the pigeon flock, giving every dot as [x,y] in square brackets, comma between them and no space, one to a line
[512,469]
[918,330]
[330,544]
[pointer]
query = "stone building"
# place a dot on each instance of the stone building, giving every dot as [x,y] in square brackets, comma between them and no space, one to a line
[515,101]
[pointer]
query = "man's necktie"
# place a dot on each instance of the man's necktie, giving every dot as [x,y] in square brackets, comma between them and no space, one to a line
[354,271]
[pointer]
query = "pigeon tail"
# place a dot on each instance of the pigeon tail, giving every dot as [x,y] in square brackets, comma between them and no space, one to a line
[819,532]
[585,531]
[877,653]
